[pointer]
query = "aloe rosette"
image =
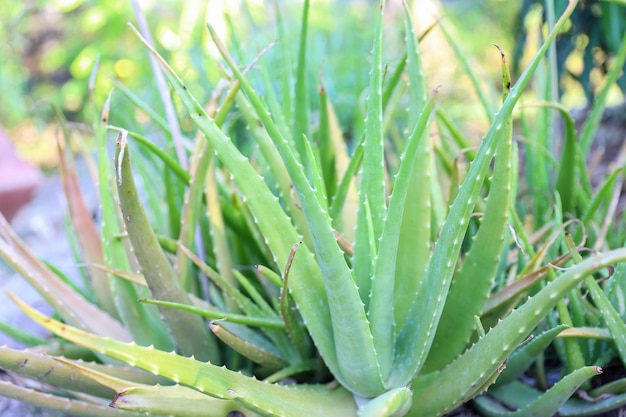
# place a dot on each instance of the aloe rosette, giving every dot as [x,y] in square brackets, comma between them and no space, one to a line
[386,325]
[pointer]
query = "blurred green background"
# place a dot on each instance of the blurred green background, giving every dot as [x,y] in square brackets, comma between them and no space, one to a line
[50,49]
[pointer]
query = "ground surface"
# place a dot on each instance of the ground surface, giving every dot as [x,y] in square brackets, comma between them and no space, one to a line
[41,225]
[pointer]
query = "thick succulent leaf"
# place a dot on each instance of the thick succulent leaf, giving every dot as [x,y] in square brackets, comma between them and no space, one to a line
[613,320]
[394,403]
[415,338]
[288,311]
[530,402]
[276,167]
[218,382]
[188,330]
[301,96]
[156,399]
[350,353]
[275,107]
[325,144]
[597,333]
[176,401]
[285,67]
[440,391]
[278,231]
[143,321]
[217,228]
[256,314]
[372,189]
[414,240]
[333,145]
[578,408]
[47,370]
[474,280]
[62,404]
[250,344]
[566,182]
[344,202]
[400,216]
[616,290]
[525,355]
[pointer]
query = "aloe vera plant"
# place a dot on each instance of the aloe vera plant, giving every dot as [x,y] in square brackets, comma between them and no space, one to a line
[378,313]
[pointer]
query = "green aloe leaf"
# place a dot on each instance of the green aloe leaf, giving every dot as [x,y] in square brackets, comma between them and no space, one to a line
[188,330]
[526,354]
[414,243]
[256,314]
[156,399]
[143,321]
[566,182]
[276,167]
[393,403]
[175,400]
[192,210]
[335,162]
[399,216]
[474,280]
[372,189]
[578,408]
[613,320]
[356,366]
[530,402]
[219,382]
[325,143]
[46,370]
[250,344]
[65,405]
[301,96]
[443,390]
[415,338]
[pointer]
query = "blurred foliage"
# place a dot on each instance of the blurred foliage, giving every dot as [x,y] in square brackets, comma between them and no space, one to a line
[585,51]
[51,48]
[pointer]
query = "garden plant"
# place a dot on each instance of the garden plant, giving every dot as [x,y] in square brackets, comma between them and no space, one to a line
[264,267]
